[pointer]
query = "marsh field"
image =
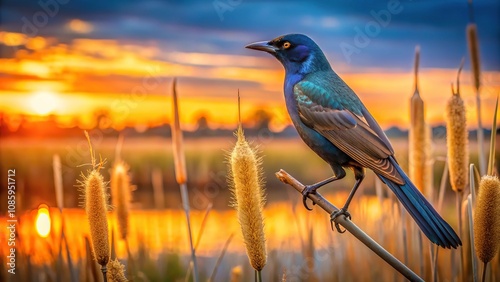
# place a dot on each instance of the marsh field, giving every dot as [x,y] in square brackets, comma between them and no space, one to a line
[300,244]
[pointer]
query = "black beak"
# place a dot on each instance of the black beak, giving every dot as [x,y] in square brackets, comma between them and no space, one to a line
[262,46]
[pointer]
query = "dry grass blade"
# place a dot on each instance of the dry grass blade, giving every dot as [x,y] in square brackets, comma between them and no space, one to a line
[491,159]
[221,256]
[203,225]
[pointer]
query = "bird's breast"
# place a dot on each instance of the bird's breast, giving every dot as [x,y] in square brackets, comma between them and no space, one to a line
[319,144]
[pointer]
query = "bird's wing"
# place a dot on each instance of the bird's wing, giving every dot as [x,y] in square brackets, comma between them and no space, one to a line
[357,135]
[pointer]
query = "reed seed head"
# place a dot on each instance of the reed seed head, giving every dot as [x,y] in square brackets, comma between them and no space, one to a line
[417,135]
[487,218]
[249,199]
[457,142]
[177,142]
[120,191]
[116,271]
[473,43]
[96,207]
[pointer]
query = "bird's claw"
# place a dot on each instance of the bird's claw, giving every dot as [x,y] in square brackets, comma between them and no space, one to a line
[307,190]
[336,214]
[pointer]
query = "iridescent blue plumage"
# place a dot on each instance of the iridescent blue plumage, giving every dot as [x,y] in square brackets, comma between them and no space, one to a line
[334,123]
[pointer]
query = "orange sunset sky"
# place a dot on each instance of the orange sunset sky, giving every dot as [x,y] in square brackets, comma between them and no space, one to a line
[70,69]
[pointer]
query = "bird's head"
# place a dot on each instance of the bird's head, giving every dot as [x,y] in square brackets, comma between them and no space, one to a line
[296,52]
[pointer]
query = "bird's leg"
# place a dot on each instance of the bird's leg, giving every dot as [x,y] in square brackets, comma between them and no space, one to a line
[360,175]
[311,189]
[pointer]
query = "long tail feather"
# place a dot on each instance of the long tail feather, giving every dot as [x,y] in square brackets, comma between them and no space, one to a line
[429,221]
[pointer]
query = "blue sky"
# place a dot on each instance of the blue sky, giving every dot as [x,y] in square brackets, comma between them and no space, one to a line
[197,26]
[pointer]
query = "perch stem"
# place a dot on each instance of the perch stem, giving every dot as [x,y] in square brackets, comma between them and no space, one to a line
[286,178]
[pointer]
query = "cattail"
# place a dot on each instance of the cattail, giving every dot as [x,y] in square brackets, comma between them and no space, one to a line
[116,271]
[236,273]
[177,143]
[249,199]
[417,161]
[96,207]
[487,219]
[457,139]
[120,190]
[473,43]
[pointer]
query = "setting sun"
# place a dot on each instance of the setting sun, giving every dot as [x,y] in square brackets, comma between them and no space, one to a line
[43,103]
[43,221]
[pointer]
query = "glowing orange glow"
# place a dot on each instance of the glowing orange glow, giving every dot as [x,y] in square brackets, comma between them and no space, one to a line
[12,38]
[43,221]
[43,103]
[80,26]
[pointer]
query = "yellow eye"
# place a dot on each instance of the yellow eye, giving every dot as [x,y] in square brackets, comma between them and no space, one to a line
[286,45]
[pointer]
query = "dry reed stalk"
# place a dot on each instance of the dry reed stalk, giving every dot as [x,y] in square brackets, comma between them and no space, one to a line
[157,181]
[458,150]
[249,199]
[487,220]
[286,178]
[417,160]
[177,141]
[221,256]
[181,173]
[491,158]
[467,263]
[116,271]
[473,44]
[121,195]
[96,207]
[470,211]
[58,183]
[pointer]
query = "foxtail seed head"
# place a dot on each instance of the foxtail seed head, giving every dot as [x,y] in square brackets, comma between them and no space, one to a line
[249,199]
[120,191]
[487,218]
